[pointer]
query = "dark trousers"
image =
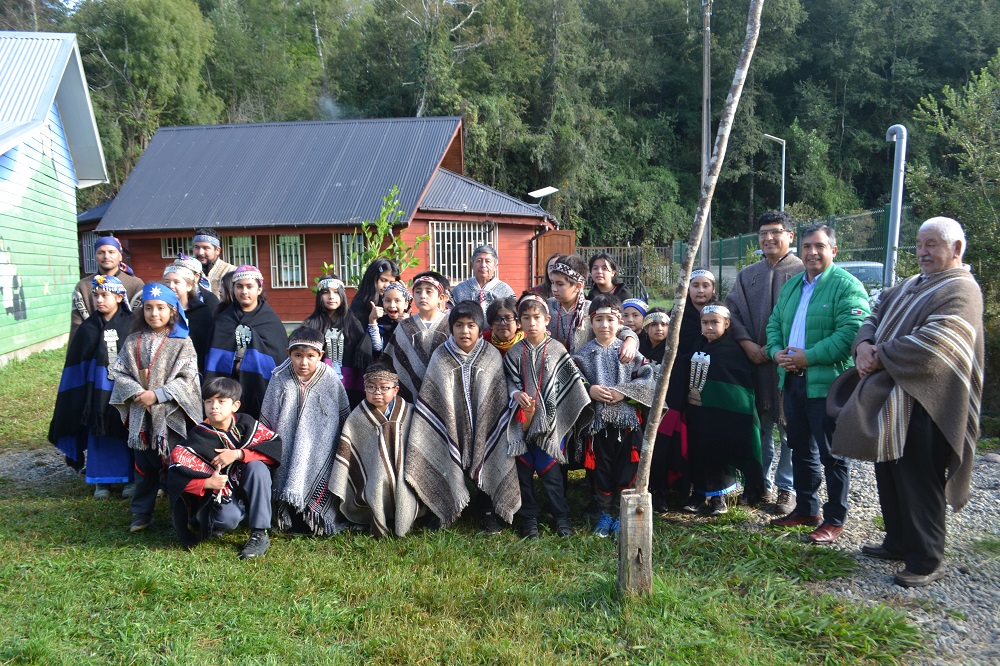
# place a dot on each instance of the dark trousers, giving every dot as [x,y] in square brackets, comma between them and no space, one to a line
[911,492]
[552,481]
[614,469]
[811,458]
[251,500]
[149,469]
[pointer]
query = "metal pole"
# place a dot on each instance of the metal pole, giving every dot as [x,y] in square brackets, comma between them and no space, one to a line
[705,256]
[782,142]
[896,133]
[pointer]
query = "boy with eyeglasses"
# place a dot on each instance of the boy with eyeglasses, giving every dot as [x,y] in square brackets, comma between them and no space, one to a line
[368,470]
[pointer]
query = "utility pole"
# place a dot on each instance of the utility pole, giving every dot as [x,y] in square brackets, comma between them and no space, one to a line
[705,254]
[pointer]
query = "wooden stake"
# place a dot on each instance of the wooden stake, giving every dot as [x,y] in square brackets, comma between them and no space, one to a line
[629,549]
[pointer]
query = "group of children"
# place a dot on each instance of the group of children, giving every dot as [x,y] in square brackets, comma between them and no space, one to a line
[413,419]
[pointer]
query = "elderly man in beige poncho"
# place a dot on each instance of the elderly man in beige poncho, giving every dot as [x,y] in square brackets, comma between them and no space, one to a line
[915,412]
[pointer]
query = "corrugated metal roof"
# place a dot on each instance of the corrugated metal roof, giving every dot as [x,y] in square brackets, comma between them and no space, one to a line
[37,68]
[279,174]
[94,214]
[452,193]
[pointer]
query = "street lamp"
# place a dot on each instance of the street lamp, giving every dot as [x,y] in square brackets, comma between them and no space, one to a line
[782,142]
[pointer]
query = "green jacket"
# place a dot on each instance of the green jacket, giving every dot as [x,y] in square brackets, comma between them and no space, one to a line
[838,307]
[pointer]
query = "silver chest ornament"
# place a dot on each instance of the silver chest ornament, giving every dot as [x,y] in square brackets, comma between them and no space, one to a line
[699,375]
[243,336]
[334,349]
[111,341]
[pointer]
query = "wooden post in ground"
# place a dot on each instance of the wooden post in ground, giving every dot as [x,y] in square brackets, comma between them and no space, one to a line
[635,566]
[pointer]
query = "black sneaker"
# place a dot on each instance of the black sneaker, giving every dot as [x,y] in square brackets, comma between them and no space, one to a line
[529,528]
[140,521]
[256,545]
[717,506]
[490,524]
[564,527]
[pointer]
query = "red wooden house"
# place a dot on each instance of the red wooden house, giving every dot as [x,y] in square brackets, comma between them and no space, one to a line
[288,197]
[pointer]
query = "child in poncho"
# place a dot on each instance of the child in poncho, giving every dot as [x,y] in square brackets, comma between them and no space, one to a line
[368,472]
[723,429]
[618,389]
[249,339]
[416,337]
[84,425]
[504,331]
[306,404]
[548,401]
[156,392]
[383,320]
[346,347]
[222,473]
[458,423]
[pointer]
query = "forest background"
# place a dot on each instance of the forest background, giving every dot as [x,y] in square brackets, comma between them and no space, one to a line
[600,98]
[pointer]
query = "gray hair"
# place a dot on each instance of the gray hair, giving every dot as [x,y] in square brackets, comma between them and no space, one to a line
[816,228]
[948,229]
[485,249]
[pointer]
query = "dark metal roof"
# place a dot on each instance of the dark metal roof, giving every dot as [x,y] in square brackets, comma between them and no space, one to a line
[452,193]
[279,174]
[94,214]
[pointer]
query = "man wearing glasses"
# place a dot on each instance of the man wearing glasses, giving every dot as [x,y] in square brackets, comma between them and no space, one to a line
[751,301]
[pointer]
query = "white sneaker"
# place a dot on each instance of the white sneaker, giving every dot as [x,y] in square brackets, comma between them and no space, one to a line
[101,492]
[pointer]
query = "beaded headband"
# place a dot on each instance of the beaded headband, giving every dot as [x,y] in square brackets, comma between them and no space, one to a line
[607,311]
[656,317]
[189,263]
[716,309]
[401,288]
[183,271]
[205,238]
[431,281]
[247,272]
[384,375]
[312,344]
[636,303]
[568,272]
[703,272]
[329,283]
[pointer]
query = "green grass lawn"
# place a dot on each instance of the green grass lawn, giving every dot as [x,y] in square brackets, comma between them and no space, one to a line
[78,589]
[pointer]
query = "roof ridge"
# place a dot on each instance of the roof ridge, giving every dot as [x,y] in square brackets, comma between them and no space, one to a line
[302,123]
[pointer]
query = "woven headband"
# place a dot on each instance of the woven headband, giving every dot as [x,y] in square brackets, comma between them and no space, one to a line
[431,281]
[703,272]
[183,271]
[716,309]
[568,272]
[312,344]
[656,317]
[205,238]
[382,374]
[401,288]
[247,272]
[190,263]
[329,283]
[637,303]
[532,297]
[607,311]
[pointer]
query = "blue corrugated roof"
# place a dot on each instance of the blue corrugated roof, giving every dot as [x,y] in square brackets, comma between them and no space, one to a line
[279,174]
[449,192]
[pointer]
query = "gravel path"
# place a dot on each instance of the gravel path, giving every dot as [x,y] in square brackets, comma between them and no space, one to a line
[959,614]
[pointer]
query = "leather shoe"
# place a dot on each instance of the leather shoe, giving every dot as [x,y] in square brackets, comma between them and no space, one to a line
[907,578]
[794,520]
[879,552]
[825,533]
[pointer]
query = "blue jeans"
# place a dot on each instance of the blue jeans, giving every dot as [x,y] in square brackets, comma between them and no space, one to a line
[783,473]
[812,459]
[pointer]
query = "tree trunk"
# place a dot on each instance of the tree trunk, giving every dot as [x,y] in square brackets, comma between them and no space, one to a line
[635,524]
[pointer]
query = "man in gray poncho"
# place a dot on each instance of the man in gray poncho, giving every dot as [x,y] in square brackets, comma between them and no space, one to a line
[915,412]
[484,286]
[751,301]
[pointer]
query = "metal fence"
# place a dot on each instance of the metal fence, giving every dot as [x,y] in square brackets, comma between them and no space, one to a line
[642,268]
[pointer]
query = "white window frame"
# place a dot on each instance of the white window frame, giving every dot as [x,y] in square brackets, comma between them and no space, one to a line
[241,250]
[344,245]
[452,244]
[171,246]
[87,240]
[288,261]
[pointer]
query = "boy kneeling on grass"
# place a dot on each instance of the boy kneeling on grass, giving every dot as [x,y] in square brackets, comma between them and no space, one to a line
[611,450]
[222,473]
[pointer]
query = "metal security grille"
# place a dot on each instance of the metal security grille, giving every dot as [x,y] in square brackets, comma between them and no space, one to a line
[87,240]
[241,250]
[453,243]
[171,247]
[288,261]
[344,246]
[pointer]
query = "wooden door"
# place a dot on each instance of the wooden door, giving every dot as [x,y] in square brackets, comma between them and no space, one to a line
[557,241]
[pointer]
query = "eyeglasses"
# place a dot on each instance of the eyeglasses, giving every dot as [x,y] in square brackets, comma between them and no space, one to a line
[379,389]
[504,320]
[771,233]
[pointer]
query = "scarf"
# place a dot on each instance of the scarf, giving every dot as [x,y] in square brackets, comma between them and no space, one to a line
[368,471]
[457,431]
[504,347]
[308,419]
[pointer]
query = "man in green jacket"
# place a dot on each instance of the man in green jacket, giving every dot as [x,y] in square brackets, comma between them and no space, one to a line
[809,336]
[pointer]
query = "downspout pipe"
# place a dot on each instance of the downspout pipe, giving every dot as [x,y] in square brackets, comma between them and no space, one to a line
[895,133]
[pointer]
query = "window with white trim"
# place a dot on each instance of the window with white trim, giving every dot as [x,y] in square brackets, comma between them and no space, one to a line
[171,247]
[87,240]
[288,261]
[241,250]
[347,249]
[452,244]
